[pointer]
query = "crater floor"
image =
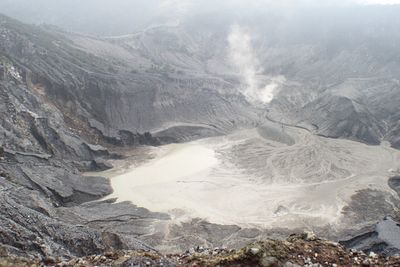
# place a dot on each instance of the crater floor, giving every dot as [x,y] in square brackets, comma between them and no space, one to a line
[254,179]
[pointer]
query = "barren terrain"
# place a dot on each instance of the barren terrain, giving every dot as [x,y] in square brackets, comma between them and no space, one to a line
[250,181]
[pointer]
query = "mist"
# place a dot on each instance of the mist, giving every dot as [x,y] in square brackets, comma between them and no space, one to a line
[252,33]
[103,17]
[243,57]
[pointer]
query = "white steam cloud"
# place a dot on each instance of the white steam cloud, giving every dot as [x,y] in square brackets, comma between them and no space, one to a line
[242,56]
[241,53]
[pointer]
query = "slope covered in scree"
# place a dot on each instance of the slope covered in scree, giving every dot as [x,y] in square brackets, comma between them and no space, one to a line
[297,250]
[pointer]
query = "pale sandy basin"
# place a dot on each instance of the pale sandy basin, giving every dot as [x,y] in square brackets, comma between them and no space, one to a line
[204,179]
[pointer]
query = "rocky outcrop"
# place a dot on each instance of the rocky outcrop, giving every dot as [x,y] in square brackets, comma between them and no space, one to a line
[28,226]
[297,250]
[44,211]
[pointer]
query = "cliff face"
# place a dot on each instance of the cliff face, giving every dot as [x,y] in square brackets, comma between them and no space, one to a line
[111,88]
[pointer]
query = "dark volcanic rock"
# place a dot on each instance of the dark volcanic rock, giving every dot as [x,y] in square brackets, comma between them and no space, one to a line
[28,228]
[384,238]
[369,206]
[43,212]
[98,165]
[394,183]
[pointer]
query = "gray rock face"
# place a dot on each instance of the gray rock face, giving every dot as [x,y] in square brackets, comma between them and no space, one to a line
[45,211]
[27,226]
[356,109]
[383,238]
[394,183]
[339,117]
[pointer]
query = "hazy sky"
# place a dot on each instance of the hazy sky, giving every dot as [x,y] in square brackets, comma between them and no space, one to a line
[113,17]
[284,2]
[383,2]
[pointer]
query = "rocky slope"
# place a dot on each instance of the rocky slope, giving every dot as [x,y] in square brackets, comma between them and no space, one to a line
[352,109]
[297,250]
[110,94]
